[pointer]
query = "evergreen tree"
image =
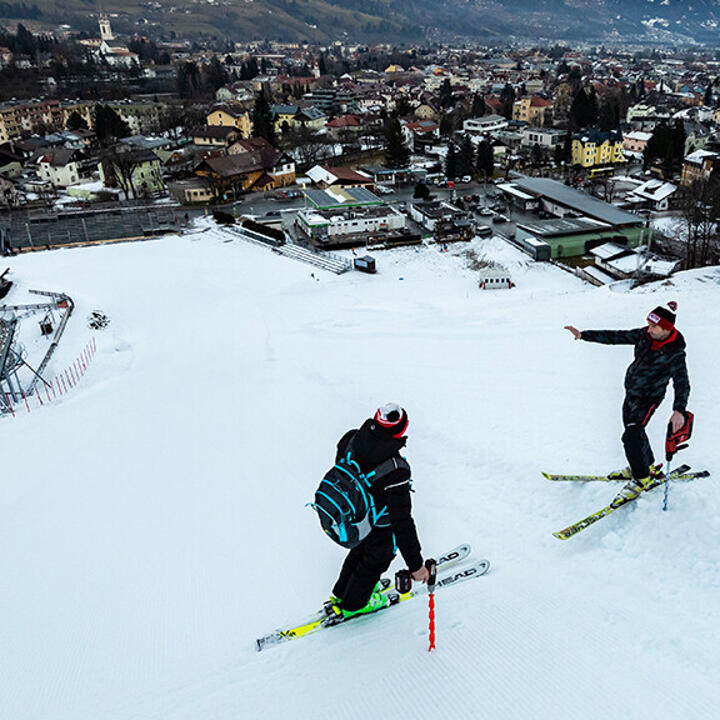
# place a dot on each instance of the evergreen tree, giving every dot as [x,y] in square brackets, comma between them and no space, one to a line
[478,105]
[465,157]
[445,97]
[262,119]
[507,98]
[397,155]
[108,125]
[76,122]
[451,162]
[485,162]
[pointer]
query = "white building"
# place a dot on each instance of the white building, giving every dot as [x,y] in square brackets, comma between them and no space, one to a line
[485,124]
[544,137]
[495,277]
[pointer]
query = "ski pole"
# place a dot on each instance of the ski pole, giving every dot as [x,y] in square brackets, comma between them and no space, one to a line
[431,565]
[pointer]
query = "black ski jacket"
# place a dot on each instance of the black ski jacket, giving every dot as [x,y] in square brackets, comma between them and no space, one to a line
[649,373]
[374,446]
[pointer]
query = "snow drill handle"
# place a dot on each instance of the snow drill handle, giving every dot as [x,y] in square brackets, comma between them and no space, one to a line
[675,441]
[431,566]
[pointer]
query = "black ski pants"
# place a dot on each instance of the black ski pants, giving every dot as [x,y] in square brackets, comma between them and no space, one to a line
[636,413]
[362,568]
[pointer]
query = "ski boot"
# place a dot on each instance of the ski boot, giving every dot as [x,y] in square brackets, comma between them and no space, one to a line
[378,600]
[626,473]
[632,489]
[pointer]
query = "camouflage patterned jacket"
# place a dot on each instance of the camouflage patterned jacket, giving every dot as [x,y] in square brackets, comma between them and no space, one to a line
[654,363]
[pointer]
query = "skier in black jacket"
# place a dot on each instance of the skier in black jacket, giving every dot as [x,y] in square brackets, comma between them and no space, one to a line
[377,440]
[659,356]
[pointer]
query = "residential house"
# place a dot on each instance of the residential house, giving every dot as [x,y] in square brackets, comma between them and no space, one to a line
[136,171]
[311,117]
[344,126]
[636,141]
[532,110]
[283,117]
[696,136]
[593,148]
[425,111]
[256,168]
[233,117]
[324,176]
[420,134]
[654,194]
[215,136]
[63,167]
[279,166]
[698,166]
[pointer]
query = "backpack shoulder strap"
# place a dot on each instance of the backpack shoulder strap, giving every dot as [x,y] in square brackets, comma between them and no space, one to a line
[385,468]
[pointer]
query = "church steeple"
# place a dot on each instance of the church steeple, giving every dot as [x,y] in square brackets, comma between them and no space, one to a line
[106,33]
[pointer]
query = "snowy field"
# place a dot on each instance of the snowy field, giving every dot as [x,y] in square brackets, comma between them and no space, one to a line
[153,520]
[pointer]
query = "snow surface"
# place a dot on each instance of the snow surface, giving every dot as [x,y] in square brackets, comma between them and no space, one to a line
[153,520]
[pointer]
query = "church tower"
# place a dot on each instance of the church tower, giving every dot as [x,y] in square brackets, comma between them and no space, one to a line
[105,29]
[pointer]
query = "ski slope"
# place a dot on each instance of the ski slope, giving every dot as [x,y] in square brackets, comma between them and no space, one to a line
[153,521]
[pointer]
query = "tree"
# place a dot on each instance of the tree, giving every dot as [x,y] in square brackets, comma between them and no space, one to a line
[108,125]
[421,192]
[536,155]
[700,206]
[485,162]
[581,110]
[478,105]
[445,96]
[76,121]
[397,155]
[451,162]
[119,168]
[465,157]
[262,119]
[507,98]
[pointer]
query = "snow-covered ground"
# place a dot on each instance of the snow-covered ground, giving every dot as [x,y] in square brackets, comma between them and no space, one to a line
[153,520]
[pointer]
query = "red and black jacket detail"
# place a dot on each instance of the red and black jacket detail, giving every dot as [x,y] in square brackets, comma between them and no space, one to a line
[654,365]
[372,446]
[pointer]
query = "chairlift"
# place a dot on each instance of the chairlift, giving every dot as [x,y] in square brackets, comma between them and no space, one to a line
[46,324]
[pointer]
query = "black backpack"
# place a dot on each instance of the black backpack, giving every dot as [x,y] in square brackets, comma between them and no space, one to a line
[344,503]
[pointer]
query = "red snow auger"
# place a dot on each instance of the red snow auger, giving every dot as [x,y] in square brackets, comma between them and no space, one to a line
[676,440]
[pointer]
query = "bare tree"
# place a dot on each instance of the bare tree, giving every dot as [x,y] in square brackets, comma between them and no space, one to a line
[700,207]
[307,147]
[119,169]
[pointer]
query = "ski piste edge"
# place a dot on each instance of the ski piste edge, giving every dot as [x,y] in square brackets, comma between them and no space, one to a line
[616,504]
[679,474]
[447,575]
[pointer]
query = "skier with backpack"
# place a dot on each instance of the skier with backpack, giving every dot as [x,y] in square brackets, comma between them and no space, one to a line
[659,355]
[364,504]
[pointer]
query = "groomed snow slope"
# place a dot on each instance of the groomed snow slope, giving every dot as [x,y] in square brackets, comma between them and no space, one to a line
[153,521]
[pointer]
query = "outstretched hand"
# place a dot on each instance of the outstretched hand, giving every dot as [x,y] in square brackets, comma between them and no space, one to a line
[576,333]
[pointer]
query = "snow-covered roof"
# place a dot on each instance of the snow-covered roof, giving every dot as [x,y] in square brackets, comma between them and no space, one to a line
[655,190]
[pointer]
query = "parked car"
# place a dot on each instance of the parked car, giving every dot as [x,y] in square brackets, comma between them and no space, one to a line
[499,219]
[466,179]
[483,231]
[486,211]
[384,190]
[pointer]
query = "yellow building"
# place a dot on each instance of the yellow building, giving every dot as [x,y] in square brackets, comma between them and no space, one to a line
[531,110]
[229,117]
[595,148]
